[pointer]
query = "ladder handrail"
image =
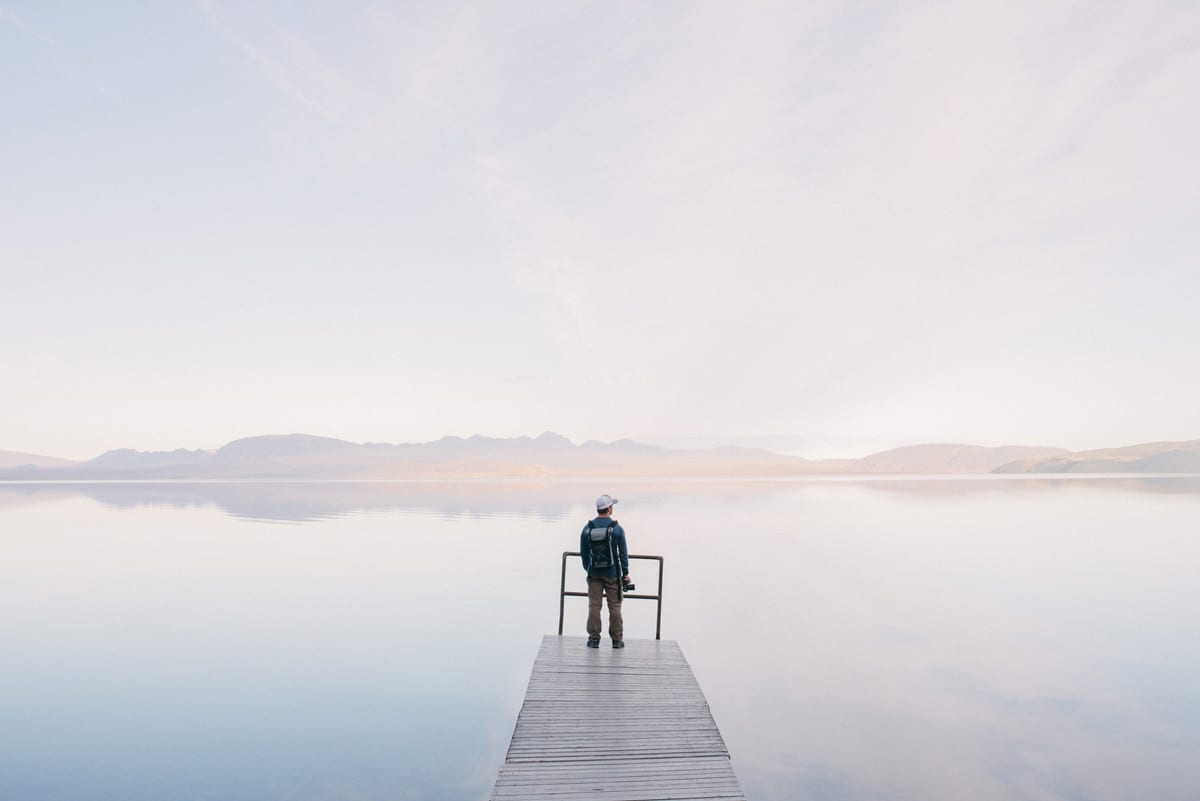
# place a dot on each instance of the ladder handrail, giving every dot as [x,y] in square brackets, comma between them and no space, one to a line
[563,592]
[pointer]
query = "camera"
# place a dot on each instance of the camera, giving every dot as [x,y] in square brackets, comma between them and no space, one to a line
[628,586]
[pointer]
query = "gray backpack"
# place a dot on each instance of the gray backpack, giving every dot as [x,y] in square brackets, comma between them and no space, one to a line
[601,547]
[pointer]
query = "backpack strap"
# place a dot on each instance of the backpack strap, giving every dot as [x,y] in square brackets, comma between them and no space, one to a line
[585,553]
[613,555]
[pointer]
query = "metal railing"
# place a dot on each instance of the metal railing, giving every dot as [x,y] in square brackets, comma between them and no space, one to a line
[563,592]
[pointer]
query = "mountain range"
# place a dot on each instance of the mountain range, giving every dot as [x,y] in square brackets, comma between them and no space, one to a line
[1148,457]
[550,455]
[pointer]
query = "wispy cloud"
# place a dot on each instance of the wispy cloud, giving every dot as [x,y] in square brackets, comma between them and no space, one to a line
[802,198]
[820,223]
[382,88]
[58,55]
[9,17]
[818,219]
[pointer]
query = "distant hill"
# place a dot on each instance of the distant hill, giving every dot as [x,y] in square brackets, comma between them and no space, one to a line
[129,459]
[1148,457]
[10,460]
[948,458]
[550,455]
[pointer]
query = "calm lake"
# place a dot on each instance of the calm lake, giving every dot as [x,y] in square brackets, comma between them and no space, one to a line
[891,640]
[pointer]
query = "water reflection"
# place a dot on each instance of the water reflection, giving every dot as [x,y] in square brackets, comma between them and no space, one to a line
[298,502]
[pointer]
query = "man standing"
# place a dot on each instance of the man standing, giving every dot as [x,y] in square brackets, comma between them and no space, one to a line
[606,559]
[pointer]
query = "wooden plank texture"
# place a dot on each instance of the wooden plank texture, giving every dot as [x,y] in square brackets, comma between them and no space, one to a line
[609,724]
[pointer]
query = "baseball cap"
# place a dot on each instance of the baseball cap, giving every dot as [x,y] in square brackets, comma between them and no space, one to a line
[605,501]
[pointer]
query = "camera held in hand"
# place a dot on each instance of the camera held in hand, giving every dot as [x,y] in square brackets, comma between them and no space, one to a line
[627,585]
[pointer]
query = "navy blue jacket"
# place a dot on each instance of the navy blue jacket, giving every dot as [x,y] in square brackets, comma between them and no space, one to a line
[618,539]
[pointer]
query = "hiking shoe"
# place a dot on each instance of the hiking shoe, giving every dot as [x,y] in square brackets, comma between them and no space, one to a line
[617,644]
[593,642]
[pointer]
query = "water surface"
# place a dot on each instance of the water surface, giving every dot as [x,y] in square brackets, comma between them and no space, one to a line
[917,639]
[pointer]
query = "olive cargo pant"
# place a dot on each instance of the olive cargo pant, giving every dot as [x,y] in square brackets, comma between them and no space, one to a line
[604,586]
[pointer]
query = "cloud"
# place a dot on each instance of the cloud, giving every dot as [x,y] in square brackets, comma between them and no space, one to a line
[377,77]
[787,215]
[8,17]
[824,220]
[805,217]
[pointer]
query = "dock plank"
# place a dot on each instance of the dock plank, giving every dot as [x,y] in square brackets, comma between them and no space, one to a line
[608,724]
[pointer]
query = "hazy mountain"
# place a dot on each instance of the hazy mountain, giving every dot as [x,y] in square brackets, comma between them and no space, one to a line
[1148,457]
[306,456]
[550,455]
[948,458]
[129,459]
[10,460]
[287,446]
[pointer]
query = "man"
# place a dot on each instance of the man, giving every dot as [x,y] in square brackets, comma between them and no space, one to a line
[606,559]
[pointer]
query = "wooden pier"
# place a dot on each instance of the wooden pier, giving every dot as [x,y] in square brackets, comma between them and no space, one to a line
[611,724]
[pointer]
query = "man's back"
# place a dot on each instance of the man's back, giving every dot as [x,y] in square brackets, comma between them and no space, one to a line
[606,559]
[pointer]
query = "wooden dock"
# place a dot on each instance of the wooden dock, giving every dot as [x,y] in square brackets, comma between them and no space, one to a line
[610,724]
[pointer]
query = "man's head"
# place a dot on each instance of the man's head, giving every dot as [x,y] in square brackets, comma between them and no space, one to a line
[604,505]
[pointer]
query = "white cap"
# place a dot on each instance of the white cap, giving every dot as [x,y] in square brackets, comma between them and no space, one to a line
[605,501]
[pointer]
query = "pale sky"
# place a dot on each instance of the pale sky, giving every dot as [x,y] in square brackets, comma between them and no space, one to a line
[720,221]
